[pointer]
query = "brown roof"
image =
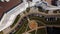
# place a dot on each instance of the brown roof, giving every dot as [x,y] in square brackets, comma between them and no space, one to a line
[49,1]
[4,6]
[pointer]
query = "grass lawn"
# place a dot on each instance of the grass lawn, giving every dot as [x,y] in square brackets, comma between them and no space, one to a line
[28,9]
[17,18]
[39,31]
[22,27]
[33,32]
[1,32]
[42,19]
[46,11]
[54,11]
[40,10]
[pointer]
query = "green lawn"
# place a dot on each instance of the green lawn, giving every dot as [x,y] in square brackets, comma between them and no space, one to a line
[28,9]
[42,19]
[40,10]
[1,32]
[33,32]
[46,11]
[22,27]
[17,18]
[39,31]
[54,11]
